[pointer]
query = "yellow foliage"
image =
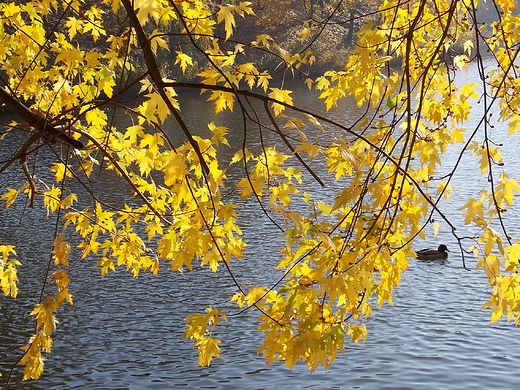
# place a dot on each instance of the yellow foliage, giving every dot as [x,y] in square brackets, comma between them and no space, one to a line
[223,100]
[60,170]
[282,96]
[10,197]
[8,271]
[199,328]
[61,251]
[345,249]
[183,60]
[226,14]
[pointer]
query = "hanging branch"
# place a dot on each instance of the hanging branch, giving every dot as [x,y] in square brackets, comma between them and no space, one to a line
[155,74]
[41,124]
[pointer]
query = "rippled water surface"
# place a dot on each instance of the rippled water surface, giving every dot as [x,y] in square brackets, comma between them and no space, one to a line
[126,333]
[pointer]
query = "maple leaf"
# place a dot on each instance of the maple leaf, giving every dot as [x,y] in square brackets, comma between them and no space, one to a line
[357,333]
[342,199]
[468,46]
[219,133]
[244,7]
[184,60]
[281,95]
[223,100]
[304,34]
[174,167]
[513,255]
[461,61]
[468,91]
[61,251]
[225,13]
[457,135]
[32,358]
[506,188]
[146,9]
[264,40]
[74,25]
[263,80]
[157,40]
[208,349]
[514,124]
[45,318]
[68,201]
[312,150]
[61,171]
[155,105]
[250,186]
[51,199]
[10,197]
[133,133]
[96,117]
[250,72]
[8,271]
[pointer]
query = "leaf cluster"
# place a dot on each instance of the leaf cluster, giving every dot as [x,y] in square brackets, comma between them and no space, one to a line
[343,252]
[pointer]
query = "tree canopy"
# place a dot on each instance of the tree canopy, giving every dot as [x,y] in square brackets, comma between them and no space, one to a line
[69,70]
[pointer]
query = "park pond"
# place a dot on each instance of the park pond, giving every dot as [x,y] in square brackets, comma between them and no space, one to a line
[126,333]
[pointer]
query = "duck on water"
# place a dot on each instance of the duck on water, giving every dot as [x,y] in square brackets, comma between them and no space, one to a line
[433,254]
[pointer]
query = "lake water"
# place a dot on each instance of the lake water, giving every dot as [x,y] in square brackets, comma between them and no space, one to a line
[125,333]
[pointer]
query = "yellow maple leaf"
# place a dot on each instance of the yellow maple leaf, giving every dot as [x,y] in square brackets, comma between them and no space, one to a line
[8,271]
[219,134]
[184,60]
[74,25]
[133,132]
[146,8]
[461,61]
[474,211]
[10,197]
[60,171]
[507,188]
[96,117]
[225,13]
[457,135]
[222,100]
[51,199]
[263,80]
[244,7]
[155,105]
[514,124]
[249,187]
[282,95]
[157,40]
[61,251]
[32,358]
[304,34]
[264,40]
[513,256]
[208,349]
[468,91]
[249,71]
[312,150]
[468,46]
[445,188]
[68,201]
[436,227]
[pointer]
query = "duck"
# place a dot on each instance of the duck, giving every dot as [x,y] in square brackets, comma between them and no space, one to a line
[433,254]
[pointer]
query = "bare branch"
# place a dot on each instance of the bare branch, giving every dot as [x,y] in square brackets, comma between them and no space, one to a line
[42,125]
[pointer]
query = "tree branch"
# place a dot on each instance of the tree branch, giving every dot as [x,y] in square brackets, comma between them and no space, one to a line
[42,125]
[155,74]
